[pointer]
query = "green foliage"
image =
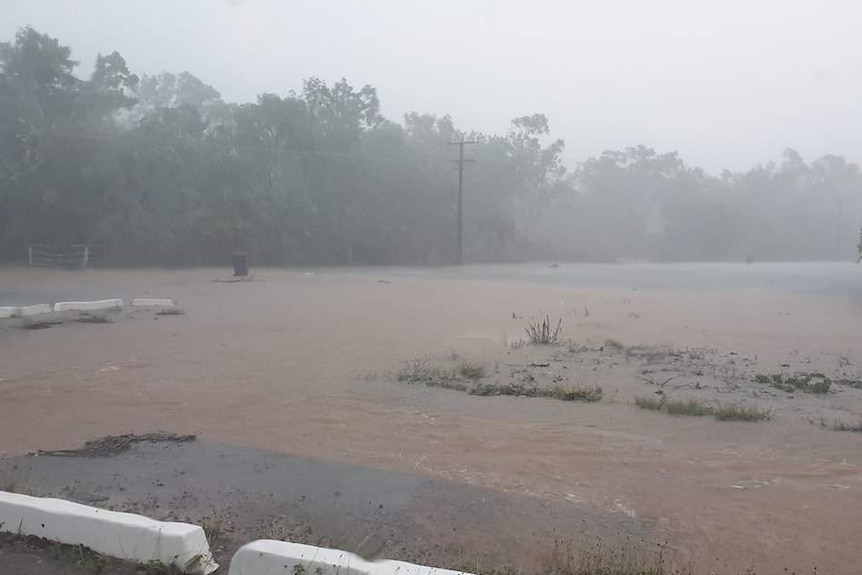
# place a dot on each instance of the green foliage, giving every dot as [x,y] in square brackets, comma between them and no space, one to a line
[854,383]
[570,393]
[520,389]
[159,170]
[697,409]
[689,407]
[674,407]
[651,403]
[741,413]
[814,383]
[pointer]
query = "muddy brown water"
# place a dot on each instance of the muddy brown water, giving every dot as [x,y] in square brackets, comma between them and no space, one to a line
[297,365]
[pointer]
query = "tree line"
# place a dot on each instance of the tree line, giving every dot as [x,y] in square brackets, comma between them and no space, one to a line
[159,170]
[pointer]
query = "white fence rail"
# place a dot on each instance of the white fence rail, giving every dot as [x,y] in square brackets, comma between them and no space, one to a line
[71,255]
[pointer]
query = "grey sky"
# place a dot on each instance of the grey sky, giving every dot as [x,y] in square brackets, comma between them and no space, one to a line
[727,83]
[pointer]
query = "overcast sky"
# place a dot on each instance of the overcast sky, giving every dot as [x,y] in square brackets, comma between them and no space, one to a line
[727,83]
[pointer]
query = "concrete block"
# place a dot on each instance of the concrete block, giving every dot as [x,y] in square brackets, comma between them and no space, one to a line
[103,304]
[24,311]
[402,568]
[8,311]
[152,302]
[122,535]
[38,309]
[267,557]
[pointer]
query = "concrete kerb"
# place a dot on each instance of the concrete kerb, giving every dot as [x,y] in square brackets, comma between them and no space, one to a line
[153,302]
[141,539]
[122,535]
[267,557]
[104,304]
[7,312]
[403,568]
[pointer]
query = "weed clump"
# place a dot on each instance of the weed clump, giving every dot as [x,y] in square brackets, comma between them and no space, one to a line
[741,413]
[561,392]
[651,403]
[674,407]
[854,383]
[689,407]
[424,372]
[575,393]
[814,383]
[540,332]
[472,371]
[697,409]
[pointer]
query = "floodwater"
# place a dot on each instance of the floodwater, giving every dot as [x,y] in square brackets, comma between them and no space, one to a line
[301,363]
[839,279]
[833,279]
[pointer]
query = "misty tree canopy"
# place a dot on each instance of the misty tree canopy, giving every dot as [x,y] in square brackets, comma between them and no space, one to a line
[160,170]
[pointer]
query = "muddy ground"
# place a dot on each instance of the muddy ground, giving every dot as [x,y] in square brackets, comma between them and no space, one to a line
[304,366]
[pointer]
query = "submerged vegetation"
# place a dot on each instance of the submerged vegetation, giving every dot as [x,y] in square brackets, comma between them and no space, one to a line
[815,383]
[698,409]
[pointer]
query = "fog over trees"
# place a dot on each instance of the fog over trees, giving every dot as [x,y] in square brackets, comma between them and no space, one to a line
[159,170]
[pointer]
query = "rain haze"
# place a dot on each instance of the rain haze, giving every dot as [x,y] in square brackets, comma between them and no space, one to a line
[498,287]
[728,84]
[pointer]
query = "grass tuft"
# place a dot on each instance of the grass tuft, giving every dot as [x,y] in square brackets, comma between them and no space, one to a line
[472,371]
[424,372]
[514,389]
[814,383]
[690,407]
[854,383]
[570,393]
[650,403]
[561,392]
[697,409]
[540,332]
[674,407]
[741,413]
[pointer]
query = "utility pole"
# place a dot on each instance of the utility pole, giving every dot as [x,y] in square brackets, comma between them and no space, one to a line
[459,256]
[838,235]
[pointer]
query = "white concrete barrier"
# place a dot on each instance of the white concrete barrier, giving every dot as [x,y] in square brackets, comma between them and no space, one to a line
[24,310]
[152,302]
[8,311]
[122,535]
[266,557]
[402,568]
[103,304]
[38,309]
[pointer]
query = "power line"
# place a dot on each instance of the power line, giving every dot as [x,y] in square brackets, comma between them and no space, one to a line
[459,256]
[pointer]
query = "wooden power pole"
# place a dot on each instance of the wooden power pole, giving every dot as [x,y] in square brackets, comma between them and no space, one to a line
[459,256]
